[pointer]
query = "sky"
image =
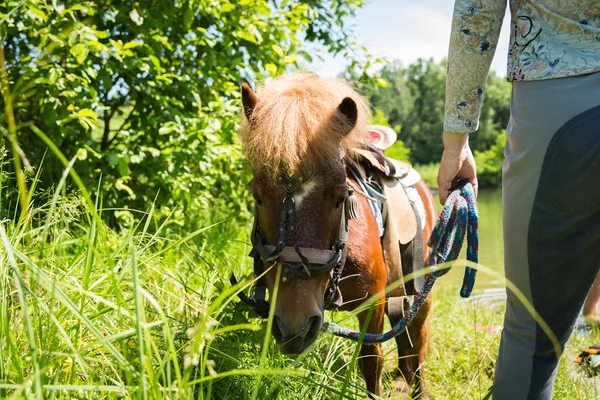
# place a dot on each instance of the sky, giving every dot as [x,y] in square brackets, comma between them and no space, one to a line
[406,30]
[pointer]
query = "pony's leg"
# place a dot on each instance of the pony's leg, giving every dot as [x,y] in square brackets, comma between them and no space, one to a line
[371,356]
[411,361]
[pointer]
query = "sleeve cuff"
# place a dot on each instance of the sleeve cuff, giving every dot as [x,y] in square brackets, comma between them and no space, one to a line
[455,125]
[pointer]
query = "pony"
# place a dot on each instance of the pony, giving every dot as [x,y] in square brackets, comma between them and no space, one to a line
[297,132]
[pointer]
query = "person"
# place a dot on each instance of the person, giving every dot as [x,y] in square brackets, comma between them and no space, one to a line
[551,195]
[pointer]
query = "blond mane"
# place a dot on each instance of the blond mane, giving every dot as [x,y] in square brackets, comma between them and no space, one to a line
[297,121]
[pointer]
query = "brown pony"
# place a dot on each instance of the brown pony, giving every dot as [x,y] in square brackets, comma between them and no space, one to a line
[299,122]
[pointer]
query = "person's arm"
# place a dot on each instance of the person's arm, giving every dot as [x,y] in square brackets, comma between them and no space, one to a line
[475,30]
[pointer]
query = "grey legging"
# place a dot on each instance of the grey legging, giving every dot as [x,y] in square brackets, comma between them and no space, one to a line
[551,215]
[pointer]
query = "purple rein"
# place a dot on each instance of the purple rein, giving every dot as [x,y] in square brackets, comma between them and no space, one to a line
[457,219]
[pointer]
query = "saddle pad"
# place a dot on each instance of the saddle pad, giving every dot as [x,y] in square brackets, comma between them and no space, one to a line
[359,174]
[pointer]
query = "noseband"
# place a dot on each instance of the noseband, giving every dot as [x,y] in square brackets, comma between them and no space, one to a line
[298,262]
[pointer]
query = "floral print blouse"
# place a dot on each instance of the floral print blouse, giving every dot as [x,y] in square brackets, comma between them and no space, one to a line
[549,39]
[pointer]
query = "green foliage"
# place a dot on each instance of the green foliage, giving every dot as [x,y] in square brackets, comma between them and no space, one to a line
[414,99]
[495,112]
[489,163]
[398,151]
[429,173]
[148,93]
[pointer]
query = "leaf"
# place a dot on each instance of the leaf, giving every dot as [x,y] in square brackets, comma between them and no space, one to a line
[381,82]
[37,12]
[278,50]
[124,166]
[113,159]
[247,36]
[101,34]
[166,128]
[131,44]
[272,69]
[97,45]
[135,17]
[153,151]
[80,51]
[226,7]
[155,62]
[290,59]
[86,112]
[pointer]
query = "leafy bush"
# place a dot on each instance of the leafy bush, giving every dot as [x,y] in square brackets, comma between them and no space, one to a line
[489,163]
[147,95]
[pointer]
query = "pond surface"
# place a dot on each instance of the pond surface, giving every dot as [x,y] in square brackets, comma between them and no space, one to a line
[491,252]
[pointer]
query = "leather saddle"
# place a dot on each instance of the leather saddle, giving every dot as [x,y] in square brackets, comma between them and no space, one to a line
[402,240]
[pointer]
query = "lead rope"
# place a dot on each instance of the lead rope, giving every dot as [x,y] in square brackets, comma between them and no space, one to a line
[457,219]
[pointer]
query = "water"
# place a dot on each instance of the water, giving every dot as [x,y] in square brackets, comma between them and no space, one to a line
[491,251]
[489,291]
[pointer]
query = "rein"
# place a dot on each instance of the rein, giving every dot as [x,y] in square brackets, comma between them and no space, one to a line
[457,219]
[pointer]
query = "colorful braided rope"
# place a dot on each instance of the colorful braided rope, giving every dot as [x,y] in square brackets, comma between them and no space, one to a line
[457,219]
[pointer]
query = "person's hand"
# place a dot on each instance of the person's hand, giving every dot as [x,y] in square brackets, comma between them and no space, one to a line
[457,163]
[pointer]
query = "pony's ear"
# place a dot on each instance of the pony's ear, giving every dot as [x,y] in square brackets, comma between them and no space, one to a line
[249,100]
[349,110]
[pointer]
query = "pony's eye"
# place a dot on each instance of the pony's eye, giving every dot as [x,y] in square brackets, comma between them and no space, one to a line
[340,201]
[257,200]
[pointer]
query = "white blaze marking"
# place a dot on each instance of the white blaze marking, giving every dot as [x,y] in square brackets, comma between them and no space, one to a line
[303,191]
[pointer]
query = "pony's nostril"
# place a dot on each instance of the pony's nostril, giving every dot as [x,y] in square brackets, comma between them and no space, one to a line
[315,327]
[315,323]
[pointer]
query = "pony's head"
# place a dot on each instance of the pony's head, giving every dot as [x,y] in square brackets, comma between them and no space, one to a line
[295,132]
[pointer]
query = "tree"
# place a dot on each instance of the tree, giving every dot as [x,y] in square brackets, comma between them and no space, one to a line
[426,81]
[414,99]
[146,93]
[495,112]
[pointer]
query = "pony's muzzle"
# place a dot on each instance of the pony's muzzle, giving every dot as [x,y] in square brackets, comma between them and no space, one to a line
[293,337]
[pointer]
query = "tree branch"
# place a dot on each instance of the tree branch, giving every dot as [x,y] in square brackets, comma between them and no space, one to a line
[120,128]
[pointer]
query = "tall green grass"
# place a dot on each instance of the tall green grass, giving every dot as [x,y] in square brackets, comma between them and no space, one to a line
[94,312]
[90,312]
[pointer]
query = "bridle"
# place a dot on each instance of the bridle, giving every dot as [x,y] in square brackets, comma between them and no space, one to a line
[298,262]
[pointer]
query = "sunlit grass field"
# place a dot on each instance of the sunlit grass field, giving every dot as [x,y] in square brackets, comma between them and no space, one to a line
[90,312]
